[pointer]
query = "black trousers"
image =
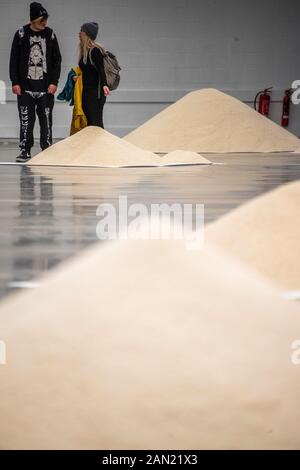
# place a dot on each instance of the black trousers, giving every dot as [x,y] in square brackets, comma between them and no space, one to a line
[28,107]
[92,106]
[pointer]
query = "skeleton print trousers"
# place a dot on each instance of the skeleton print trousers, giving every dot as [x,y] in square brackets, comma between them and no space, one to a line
[30,104]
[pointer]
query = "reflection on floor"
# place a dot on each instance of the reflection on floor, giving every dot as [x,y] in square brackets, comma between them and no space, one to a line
[49,214]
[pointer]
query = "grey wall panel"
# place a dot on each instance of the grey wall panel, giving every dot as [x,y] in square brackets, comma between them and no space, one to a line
[167,48]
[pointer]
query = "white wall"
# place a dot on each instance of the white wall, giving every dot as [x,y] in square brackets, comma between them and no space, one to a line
[166,48]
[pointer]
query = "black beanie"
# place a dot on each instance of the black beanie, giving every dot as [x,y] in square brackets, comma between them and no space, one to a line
[91,29]
[36,11]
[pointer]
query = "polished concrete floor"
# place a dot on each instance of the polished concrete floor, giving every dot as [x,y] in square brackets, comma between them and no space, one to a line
[48,214]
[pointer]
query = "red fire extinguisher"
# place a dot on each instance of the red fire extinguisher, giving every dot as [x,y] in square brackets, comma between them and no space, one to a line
[264,101]
[286,107]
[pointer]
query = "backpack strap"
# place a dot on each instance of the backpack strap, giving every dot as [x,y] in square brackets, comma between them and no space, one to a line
[102,50]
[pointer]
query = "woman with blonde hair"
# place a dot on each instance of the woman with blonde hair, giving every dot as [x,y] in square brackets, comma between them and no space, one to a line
[95,89]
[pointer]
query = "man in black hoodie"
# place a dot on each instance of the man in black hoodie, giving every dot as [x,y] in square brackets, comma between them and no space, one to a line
[35,63]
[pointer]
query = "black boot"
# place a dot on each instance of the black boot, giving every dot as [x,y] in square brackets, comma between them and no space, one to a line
[23,157]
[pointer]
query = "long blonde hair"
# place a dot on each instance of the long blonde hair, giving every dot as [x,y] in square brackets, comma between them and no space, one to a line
[85,47]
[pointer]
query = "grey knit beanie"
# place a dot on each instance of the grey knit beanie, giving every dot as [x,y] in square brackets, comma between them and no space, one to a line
[91,29]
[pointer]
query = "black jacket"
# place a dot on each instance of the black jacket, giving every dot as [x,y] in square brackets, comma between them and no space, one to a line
[93,72]
[19,56]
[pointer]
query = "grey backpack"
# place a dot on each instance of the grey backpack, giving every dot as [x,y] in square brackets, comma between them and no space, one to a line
[112,69]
